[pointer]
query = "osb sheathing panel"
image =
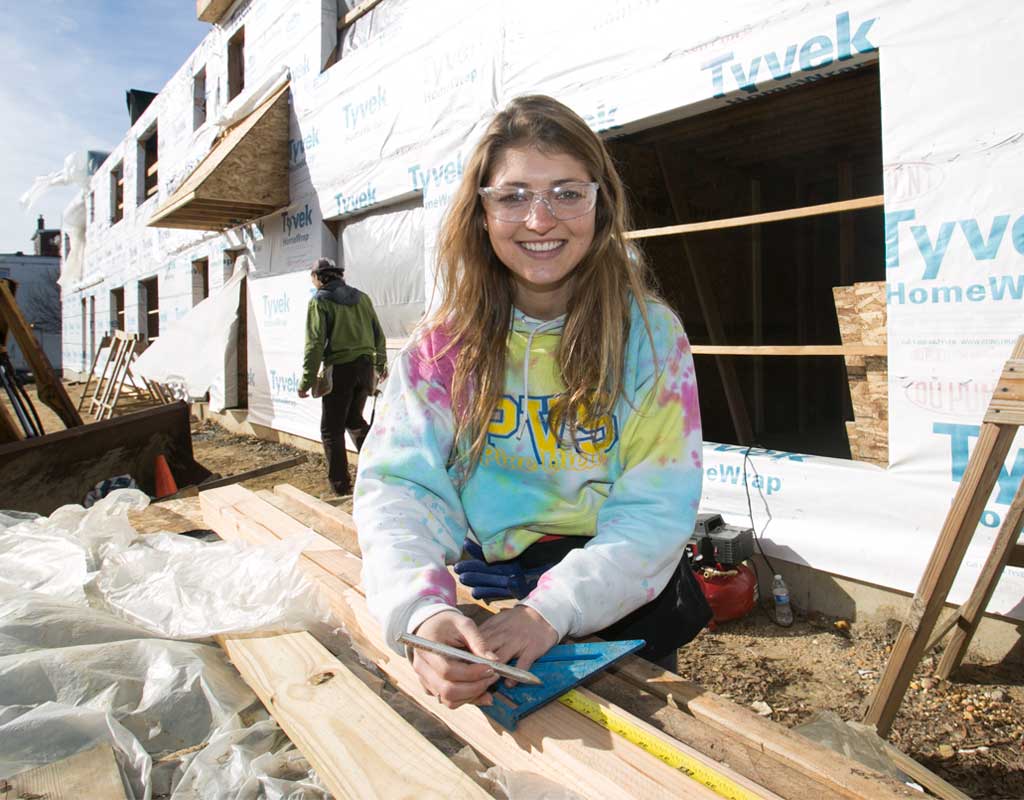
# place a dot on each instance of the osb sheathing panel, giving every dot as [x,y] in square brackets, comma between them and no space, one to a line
[255,169]
[862,320]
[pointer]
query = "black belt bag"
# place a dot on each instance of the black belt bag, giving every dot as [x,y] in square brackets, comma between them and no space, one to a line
[667,622]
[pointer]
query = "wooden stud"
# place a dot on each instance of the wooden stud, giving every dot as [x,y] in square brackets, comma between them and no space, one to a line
[358,744]
[48,386]
[89,773]
[968,616]
[758,219]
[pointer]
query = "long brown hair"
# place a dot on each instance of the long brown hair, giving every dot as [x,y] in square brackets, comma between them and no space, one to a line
[477,289]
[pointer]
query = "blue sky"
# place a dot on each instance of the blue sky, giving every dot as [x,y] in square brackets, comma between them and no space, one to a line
[65,67]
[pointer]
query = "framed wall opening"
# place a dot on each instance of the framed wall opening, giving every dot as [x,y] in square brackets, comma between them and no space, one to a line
[199,99]
[766,286]
[236,64]
[149,167]
[117,193]
[117,309]
[149,308]
[200,280]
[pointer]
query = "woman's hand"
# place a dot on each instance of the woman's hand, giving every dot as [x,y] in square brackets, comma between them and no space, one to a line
[454,682]
[519,632]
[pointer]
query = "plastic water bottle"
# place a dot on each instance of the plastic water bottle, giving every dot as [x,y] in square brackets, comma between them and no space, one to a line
[783,610]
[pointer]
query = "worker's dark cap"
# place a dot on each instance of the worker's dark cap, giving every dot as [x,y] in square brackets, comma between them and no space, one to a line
[327,265]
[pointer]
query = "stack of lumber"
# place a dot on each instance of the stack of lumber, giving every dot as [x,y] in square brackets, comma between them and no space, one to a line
[862,320]
[362,747]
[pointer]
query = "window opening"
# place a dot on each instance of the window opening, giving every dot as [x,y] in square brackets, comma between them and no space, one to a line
[347,34]
[758,299]
[199,99]
[117,309]
[148,164]
[117,193]
[236,64]
[149,308]
[200,280]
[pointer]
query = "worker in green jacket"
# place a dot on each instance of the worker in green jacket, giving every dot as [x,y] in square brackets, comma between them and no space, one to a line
[344,334]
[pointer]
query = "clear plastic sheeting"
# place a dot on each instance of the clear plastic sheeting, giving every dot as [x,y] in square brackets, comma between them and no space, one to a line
[94,623]
[253,762]
[54,731]
[182,588]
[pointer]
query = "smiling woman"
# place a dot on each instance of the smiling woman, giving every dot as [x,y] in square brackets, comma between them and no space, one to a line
[542,428]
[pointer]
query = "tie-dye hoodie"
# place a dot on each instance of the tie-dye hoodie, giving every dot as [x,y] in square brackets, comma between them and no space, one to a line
[632,481]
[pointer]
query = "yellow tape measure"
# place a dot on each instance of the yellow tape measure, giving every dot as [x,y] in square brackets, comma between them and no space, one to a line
[656,747]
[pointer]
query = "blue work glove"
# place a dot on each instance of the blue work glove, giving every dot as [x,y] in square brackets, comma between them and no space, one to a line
[496,581]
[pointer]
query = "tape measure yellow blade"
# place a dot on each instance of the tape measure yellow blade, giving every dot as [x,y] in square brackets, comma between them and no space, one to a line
[656,747]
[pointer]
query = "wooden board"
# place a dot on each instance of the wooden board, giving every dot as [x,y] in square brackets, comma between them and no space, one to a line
[757,219]
[48,386]
[90,773]
[555,741]
[758,748]
[213,483]
[359,746]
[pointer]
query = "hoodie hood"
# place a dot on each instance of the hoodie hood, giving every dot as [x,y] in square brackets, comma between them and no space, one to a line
[339,292]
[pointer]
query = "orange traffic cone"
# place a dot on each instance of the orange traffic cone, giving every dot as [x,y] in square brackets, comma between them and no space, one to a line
[165,485]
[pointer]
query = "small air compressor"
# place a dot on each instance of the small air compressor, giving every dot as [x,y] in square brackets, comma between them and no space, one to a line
[719,555]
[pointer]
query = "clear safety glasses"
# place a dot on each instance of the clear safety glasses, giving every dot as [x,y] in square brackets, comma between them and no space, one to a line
[515,204]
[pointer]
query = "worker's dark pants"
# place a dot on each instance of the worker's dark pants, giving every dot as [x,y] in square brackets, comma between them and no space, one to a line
[669,621]
[343,410]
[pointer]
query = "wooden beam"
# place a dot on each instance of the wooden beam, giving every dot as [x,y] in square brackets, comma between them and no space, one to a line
[90,773]
[252,473]
[359,746]
[332,522]
[972,494]
[758,219]
[360,10]
[790,350]
[1017,556]
[48,386]
[969,615]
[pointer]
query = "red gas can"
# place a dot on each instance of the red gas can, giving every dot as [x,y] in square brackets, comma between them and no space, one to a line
[731,593]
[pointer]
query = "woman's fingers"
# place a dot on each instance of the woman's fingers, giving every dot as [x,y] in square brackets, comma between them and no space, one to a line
[452,681]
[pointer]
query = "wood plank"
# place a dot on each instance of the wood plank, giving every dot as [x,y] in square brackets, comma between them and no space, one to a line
[358,744]
[790,350]
[757,219]
[48,386]
[90,773]
[252,473]
[557,741]
[842,776]
[332,522]
[360,10]
[759,749]
[969,615]
[924,776]
[1017,556]
[972,494]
